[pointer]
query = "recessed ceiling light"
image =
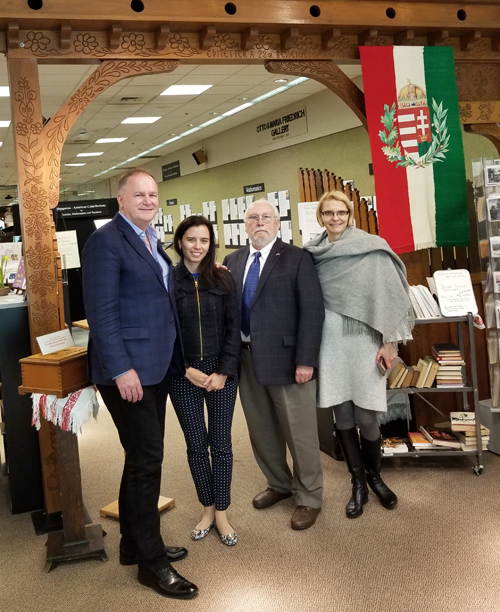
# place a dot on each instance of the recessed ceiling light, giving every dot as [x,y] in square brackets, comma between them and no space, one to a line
[4,91]
[74,164]
[185,90]
[96,154]
[171,134]
[108,140]
[1,143]
[281,81]
[243,98]
[215,113]
[190,124]
[4,123]
[141,120]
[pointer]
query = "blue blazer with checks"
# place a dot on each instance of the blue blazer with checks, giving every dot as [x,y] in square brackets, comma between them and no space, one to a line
[132,317]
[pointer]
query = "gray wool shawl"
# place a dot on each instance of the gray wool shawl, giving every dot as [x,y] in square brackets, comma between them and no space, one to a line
[365,281]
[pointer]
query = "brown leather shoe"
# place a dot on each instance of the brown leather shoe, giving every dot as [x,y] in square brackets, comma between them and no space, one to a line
[304,517]
[268,498]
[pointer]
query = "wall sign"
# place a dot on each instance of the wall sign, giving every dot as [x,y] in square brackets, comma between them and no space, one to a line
[87,208]
[172,202]
[171,171]
[282,127]
[254,188]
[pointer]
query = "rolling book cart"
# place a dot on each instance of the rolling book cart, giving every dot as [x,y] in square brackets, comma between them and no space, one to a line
[462,322]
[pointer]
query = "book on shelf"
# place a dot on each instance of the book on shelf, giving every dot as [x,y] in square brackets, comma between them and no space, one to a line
[424,305]
[465,422]
[472,434]
[396,373]
[423,368]
[406,381]
[466,447]
[428,369]
[420,442]
[441,437]
[431,376]
[394,445]
[471,440]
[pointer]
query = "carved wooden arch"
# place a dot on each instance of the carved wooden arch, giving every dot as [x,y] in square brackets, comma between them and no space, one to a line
[329,74]
[38,150]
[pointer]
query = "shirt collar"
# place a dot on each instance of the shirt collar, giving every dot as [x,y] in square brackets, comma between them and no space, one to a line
[264,252]
[150,231]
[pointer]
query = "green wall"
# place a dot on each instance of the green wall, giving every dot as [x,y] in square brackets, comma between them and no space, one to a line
[347,154]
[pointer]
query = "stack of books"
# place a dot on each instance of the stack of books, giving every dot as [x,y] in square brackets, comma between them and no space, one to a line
[463,425]
[400,375]
[427,369]
[424,305]
[441,437]
[392,446]
[451,363]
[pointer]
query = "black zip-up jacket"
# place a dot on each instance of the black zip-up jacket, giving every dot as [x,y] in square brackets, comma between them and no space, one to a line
[210,321]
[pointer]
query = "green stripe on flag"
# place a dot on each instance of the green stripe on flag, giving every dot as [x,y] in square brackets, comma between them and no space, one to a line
[452,214]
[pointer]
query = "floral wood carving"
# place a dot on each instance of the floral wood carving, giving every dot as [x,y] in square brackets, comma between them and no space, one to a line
[108,73]
[330,75]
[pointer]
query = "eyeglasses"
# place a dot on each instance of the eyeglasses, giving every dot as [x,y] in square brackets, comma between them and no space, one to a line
[328,214]
[255,218]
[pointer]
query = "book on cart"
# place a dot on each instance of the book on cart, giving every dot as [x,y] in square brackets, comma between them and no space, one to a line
[466,422]
[392,446]
[470,442]
[421,443]
[396,374]
[441,437]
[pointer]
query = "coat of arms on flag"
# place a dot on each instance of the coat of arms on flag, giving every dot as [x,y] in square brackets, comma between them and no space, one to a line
[418,158]
[408,137]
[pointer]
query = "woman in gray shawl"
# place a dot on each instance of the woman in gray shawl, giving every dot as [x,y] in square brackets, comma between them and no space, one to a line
[367,311]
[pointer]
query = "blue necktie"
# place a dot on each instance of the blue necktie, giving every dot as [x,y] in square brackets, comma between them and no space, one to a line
[251,283]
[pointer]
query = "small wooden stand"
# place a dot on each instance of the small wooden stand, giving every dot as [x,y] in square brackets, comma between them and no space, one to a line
[111,510]
[76,540]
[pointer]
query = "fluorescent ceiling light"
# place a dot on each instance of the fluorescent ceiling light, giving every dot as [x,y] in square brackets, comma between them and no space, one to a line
[4,123]
[253,102]
[237,109]
[74,164]
[90,154]
[108,140]
[1,143]
[185,90]
[4,91]
[141,120]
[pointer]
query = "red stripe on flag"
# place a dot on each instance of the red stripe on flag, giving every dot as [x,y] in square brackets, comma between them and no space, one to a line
[391,186]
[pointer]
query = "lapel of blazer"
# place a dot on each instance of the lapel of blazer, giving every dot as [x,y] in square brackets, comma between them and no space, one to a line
[138,245]
[271,261]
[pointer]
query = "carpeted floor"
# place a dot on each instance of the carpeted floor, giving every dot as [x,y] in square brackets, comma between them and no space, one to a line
[438,551]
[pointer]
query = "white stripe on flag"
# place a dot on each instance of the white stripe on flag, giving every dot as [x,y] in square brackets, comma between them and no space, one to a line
[409,143]
[409,65]
[410,130]
[406,118]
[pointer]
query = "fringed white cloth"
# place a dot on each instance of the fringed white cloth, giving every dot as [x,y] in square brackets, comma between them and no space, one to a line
[69,412]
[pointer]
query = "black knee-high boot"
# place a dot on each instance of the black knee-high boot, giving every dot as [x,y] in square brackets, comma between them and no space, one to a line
[336,448]
[349,441]
[373,461]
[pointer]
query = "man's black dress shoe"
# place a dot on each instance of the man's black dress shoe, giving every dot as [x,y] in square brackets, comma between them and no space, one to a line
[166,581]
[174,553]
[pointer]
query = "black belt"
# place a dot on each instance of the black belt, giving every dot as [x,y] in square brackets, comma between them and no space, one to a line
[246,346]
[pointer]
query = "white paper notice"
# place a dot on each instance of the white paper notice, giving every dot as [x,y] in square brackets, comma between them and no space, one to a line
[233,208]
[216,233]
[50,343]
[272,198]
[241,207]
[235,234]
[243,234]
[185,211]
[283,203]
[308,224]
[209,210]
[455,293]
[168,224]
[225,210]
[67,245]
[286,231]
[227,234]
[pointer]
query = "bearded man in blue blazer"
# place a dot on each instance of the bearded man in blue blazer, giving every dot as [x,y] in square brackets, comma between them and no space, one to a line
[134,341]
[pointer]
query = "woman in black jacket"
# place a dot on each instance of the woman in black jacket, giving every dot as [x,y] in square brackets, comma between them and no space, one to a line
[210,326]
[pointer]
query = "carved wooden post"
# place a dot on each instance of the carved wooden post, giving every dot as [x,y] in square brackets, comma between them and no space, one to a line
[36,221]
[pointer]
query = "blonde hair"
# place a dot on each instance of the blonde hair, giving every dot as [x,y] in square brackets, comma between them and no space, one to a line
[340,197]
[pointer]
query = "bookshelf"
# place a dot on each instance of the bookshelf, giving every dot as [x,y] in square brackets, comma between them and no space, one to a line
[462,322]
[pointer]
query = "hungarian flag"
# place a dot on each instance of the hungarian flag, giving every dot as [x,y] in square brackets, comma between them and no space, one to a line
[416,144]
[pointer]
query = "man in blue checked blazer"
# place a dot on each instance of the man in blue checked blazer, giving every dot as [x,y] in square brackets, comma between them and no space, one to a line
[134,341]
[282,320]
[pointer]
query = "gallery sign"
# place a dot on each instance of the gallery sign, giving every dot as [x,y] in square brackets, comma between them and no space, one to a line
[282,127]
